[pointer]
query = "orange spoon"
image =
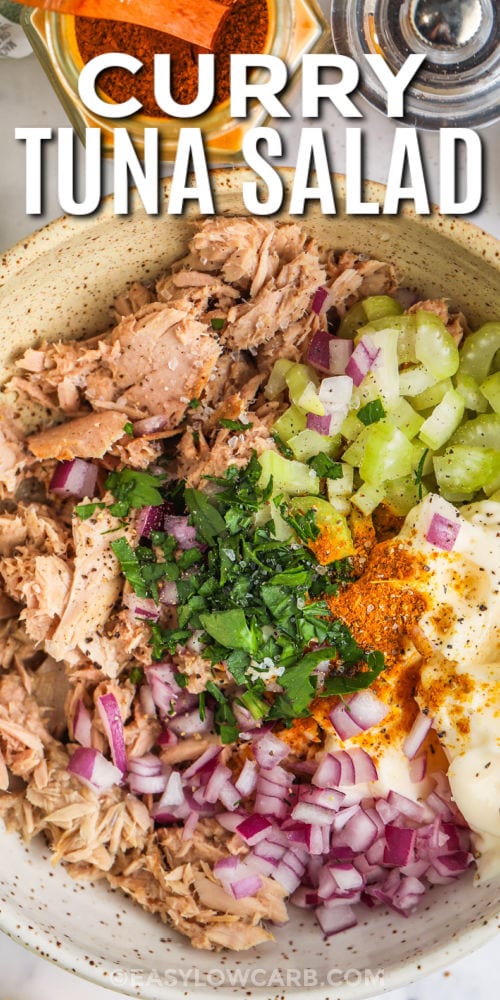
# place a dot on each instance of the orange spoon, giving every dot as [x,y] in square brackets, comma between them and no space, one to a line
[193,21]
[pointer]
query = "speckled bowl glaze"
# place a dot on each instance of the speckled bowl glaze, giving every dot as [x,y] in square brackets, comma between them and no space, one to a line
[60,283]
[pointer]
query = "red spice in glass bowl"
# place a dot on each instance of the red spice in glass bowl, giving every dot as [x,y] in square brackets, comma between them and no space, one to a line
[245,30]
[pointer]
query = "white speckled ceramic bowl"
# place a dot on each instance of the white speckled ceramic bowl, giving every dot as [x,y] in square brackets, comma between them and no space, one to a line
[60,282]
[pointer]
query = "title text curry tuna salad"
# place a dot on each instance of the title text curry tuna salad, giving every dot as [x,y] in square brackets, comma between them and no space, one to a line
[250,613]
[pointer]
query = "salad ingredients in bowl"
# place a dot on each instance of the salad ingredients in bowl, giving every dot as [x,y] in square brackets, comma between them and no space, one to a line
[249,598]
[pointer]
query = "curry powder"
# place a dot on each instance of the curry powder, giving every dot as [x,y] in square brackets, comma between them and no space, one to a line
[244,31]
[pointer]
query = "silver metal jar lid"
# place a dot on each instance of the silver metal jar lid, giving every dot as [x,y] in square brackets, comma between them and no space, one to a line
[459,82]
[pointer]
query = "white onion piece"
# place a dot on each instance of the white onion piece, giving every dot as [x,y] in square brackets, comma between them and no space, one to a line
[109,711]
[335,393]
[417,735]
[82,724]
[74,479]
[91,767]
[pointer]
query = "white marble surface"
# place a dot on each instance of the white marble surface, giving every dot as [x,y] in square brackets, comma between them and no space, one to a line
[26,99]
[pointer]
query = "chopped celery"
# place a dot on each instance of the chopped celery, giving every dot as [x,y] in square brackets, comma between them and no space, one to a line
[308,443]
[430,397]
[434,346]
[413,381]
[473,398]
[385,372]
[342,504]
[380,306]
[387,454]
[402,415]
[492,485]
[466,469]
[353,455]
[478,351]
[282,529]
[368,497]
[334,540]
[288,476]
[482,432]
[276,383]
[354,317]
[444,420]
[351,427]
[342,486]
[490,389]
[291,422]
[303,383]
[401,495]
[366,392]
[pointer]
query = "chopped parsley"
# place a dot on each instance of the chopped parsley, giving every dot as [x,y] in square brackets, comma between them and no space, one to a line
[136,676]
[133,489]
[325,467]
[128,428]
[371,412]
[193,404]
[257,602]
[419,472]
[217,323]
[234,425]
[85,510]
[282,445]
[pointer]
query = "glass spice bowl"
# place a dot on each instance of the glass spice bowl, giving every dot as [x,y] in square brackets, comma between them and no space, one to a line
[295,28]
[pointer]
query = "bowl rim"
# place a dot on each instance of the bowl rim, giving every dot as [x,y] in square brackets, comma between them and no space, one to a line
[46,240]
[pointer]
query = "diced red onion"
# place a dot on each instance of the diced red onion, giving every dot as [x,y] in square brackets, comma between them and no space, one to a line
[418,768]
[442,532]
[147,764]
[173,794]
[91,767]
[167,739]
[147,784]
[417,735]
[178,527]
[168,593]
[340,352]
[208,756]
[149,519]
[164,687]
[254,828]
[218,778]
[247,778]
[230,820]
[329,798]
[400,844]
[362,360]
[364,768]
[306,812]
[319,299]
[288,878]
[109,711]
[319,424]
[226,868]
[359,833]
[82,724]
[248,886]
[318,352]
[366,709]
[268,805]
[406,807]
[269,750]
[336,919]
[191,723]
[150,425]
[229,796]
[74,479]
[143,608]
[342,721]
[328,772]
[190,825]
